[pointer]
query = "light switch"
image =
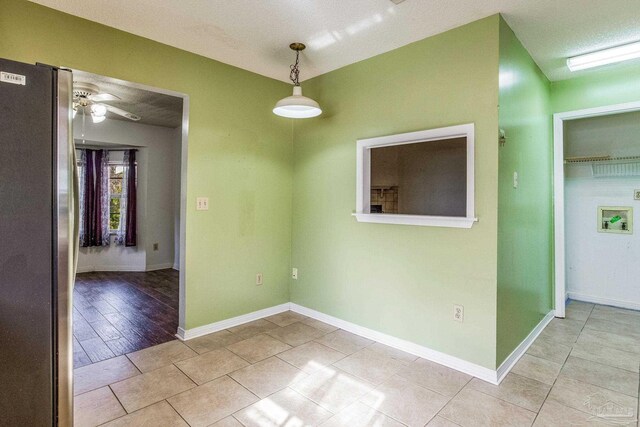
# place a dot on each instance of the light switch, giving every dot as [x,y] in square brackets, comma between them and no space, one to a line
[515,180]
[202,204]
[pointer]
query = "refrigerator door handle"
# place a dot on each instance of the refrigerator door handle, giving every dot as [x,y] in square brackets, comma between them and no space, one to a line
[75,208]
[65,248]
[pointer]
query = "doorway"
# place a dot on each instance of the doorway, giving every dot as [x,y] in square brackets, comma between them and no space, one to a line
[131,146]
[571,163]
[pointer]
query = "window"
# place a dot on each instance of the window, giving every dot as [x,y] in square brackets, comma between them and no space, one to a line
[418,178]
[116,174]
[116,182]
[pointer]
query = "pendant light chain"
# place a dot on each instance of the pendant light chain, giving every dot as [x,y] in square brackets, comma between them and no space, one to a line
[295,71]
[297,106]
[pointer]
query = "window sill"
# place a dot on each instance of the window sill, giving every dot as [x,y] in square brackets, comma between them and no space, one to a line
[421,220]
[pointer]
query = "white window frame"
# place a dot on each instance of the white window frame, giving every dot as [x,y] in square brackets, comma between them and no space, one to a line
[363,178]
[114,196]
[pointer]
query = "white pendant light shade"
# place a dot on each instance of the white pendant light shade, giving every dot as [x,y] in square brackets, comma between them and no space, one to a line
[297,106]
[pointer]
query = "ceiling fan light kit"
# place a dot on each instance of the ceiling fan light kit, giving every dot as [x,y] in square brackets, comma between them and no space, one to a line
[97,119]
[88,99]
[297,106]
[98,110]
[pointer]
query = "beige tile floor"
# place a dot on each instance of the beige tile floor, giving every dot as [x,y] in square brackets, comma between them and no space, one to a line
[288,370]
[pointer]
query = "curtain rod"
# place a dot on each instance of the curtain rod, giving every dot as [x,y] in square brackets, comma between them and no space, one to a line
[97,147]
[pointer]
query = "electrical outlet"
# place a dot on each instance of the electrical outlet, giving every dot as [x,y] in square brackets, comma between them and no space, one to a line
[202,204]
[259,279]
[294,273]
[636,194]
[458,313]
[155,246]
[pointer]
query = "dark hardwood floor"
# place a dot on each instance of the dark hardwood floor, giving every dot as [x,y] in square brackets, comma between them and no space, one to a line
[120,312]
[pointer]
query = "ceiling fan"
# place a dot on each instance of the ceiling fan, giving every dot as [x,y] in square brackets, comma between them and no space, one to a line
[88,99]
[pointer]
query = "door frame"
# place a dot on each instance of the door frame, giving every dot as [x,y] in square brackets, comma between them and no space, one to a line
[184,129]
[558,189]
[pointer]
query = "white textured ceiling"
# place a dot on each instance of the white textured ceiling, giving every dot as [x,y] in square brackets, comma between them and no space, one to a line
[154,108]
[255,34]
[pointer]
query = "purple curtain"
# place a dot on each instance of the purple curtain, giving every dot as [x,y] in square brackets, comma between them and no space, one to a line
[86,201]
[96,230]
[131,213]
[94,198]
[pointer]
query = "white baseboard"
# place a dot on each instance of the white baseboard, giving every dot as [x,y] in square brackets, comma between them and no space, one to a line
[188,334]
[127,268]
[486,374]
[522,348]
[163,266]
[604,301]
[92,268]
[453,362]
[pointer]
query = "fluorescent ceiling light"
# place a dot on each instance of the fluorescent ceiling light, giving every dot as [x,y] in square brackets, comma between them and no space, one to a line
[604,57]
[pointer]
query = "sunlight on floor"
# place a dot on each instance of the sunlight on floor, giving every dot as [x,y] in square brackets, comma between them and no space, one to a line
[268,413]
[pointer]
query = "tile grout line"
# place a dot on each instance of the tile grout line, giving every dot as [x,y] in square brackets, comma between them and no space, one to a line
[605,388]
[166,398]
[244,407]
[449,401]
[506,401]
[391,416]
[119,402]
[438,413]
[563,364]
[176,411]
[600,386]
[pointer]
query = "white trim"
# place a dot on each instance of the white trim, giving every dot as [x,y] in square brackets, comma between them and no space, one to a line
[604,301]
[486,374]
[506,366]
[109,267]
[182,275]
[558,189]
[434,221]
[188,334]
[162,266]
[558,214]
[363,176]
[453,362]
[127,268]
[182,308]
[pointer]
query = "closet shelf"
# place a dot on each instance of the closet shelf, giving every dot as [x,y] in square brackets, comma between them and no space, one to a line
[607,166]
[603,159]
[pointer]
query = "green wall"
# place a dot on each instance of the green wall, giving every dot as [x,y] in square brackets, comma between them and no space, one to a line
[615,84]
[239,152]
[282,193]
[525,232]
[401,280]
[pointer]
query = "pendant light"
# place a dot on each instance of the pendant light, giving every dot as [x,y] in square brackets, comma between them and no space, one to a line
[297,106]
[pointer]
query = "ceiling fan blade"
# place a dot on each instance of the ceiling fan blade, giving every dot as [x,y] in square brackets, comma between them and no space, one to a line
[123,113]
[101,97]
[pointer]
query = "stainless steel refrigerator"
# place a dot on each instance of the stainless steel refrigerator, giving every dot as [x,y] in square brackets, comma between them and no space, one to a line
[36,245]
